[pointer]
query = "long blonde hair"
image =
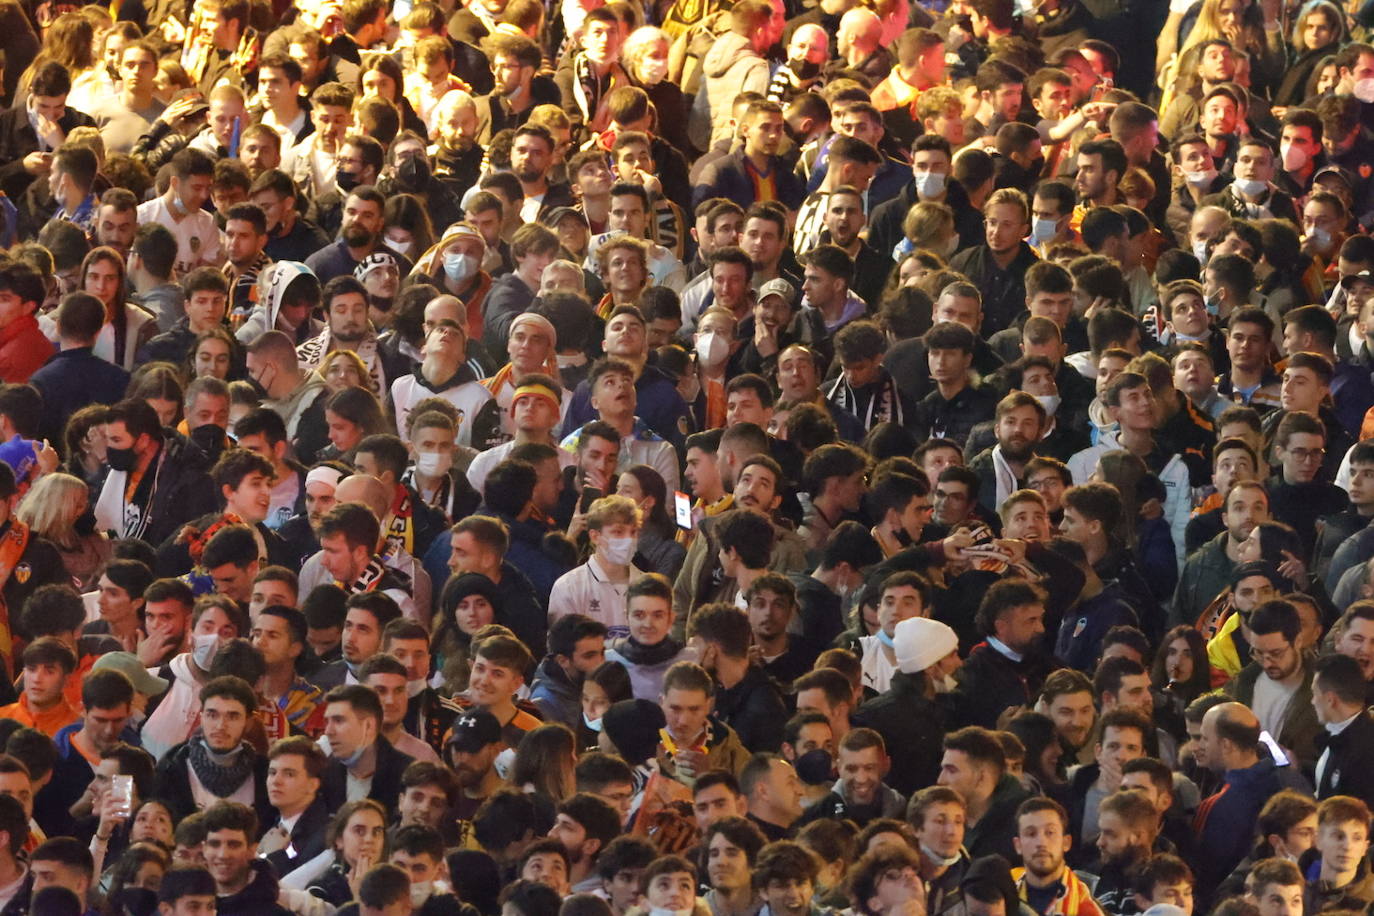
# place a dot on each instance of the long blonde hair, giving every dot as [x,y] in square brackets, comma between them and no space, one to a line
[1208,26]
[52,506]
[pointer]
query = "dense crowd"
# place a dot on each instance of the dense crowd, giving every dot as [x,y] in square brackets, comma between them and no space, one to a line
[684,458]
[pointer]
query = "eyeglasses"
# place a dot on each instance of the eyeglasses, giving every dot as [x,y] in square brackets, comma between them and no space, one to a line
[1307,454]
[1268,655]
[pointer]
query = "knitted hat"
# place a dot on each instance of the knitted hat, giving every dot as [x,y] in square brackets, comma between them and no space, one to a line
[1258,568]
[921,642]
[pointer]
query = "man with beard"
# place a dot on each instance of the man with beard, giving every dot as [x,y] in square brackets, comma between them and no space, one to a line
[1209,567]
[738,176]
[471,752]
[1045,883]
[515,63]
[457,157]
[747,699]
[531,159]
[290,236]
[1018,423]
[348,328]
[360,234]
[1277,685]
[861,794]
[1127,822]
[216,763]
[844,221]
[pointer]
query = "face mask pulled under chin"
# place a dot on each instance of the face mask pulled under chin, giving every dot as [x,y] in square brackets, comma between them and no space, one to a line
[594,724]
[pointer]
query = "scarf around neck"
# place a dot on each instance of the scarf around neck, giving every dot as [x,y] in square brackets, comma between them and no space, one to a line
[221,774]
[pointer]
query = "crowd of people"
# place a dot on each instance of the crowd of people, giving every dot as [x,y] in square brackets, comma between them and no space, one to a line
[683,458]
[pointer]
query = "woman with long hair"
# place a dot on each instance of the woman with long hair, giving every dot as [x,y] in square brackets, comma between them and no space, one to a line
[127,327]
[217,353]
[469,603]
[69,41]
[544,762]
[1179,675]
[353,414]
[344,369]
[659,550]
[1241,22]
[160,385]
[1040,769]
[1320,30]
[407,229]
[357,834]
[55,507]
[381,77]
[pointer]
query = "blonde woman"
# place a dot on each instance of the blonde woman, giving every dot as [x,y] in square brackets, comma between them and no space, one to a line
[54,507]
[1250,27]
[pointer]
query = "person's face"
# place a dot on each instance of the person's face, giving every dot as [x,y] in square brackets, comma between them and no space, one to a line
[1041,841]
[152,823]
[1278,658]
[729,284]
[391,690]
[473,612]
[1004,227]
[952,502]
[1255,162]
[1018,431]
[685,711]
[633,158]
[1252,591]
[212,359]
[1116,842]
[948,366]
[1020,627]
[1319,216]
[1279,900]
[625,337]
[43,684]
[757,489]
[363,837]
[862,773]
[711,804]
[1302,389]
[289,784]
[960,773]
[788,896]
[1091,180]
[1248,346]
[102,280]
[897,604]
[727,866]
[347,729]
[762,242]
[764,133]
[423,804]
[1188,313]
[942,828]
[1073,715]
[491,684]
[1302,456]
[1027,520]
[228,856]
[650,618]
[702,473]
[530,158]
[115,604]
[364,219]
[797,375]
[223,721]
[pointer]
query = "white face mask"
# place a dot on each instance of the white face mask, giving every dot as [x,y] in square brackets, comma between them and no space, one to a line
[930,184]
[937,858]
[1042,230]
[420,891]
[1293,157]
[1364,91]
[203,649]
[593,724]
[415,688]
[712,349]
[1200,251]
[433,464]
[619,551]
[1250,187]
[1048,401]
[402,248]
[1200,179]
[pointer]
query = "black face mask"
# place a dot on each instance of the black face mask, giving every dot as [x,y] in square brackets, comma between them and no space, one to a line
[120,459]
[85,522]
[346,181]
[414,173]
[815,767]
[1036,166]
[136,901]
[804,68]
[210,438]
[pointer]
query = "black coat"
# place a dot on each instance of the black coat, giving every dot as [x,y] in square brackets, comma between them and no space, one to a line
[990,682]
[18,139]
[259,898]
[912,726]
[386,778]
[755,710]
[71,380]
[183,491]
[1349,766]
[307,837]
[174,784]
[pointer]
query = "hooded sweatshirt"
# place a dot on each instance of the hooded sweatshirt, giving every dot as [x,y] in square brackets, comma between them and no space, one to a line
[277,277]
[731,66]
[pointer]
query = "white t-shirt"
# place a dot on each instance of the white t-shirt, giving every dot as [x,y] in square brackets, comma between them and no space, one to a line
[197,235]
[1271,703]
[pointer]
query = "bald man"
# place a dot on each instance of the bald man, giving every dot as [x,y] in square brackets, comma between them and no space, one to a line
[371,492]
[1225,822]
[860,43]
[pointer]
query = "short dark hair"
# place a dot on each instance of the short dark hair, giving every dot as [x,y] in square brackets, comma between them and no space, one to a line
[185,882]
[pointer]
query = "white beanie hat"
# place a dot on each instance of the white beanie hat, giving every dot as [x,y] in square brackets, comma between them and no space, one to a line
[921,642]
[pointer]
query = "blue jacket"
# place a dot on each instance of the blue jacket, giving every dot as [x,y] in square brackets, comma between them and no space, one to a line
[1225,822]
[728,177]
[1079,642]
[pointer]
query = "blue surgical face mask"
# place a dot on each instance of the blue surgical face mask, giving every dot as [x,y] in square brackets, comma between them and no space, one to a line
[1042,230]
[459,266]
